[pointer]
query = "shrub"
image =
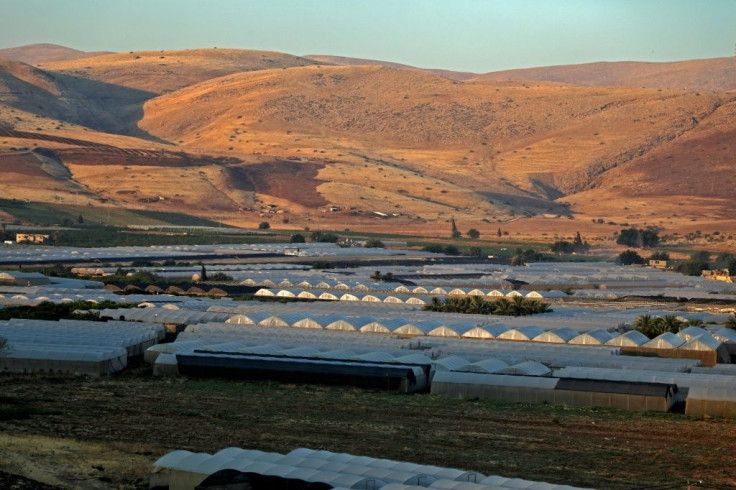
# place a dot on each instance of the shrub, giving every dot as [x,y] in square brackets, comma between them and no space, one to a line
[629,257]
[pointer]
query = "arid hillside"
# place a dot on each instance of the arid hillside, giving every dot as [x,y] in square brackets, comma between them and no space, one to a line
[163,71]
[239,135]
[40,53]
[346,61]
[716,74]
[487,149]
[95,105]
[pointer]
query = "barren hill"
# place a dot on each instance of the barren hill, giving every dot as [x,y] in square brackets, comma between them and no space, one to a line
[346,61]
[243,136]
[430,147]
[83,102]
[164,71]
[41,53]
[716,74]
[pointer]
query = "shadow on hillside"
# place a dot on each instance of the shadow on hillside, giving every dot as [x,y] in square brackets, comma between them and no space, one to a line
[527,204]
[106,107]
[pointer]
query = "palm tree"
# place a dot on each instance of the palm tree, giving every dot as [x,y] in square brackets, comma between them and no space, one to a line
[646,325]
[731,322]
[669,323]
[478,305]
[502,306]
[519,306]
[434,304]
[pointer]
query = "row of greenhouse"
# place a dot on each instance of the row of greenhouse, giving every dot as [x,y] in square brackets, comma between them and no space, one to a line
[314,291]
[691,338]
[305,468]
[72,346]
[573,375]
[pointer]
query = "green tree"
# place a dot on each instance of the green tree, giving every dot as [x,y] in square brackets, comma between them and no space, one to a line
[498,233]
[629,257]
[633,237]
[731,322]
[519,306]
[80,219]
[670,323]
[203,274]
[659,255]
[473,234]
[323,237]
[647,325]
[518,258]
[374,243]
[297,238]
[455,232]
[691,267]
[264,225]
[700,256]
[579,245]
[475,252]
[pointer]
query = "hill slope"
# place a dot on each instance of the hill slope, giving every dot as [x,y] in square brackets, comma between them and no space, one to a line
[165,71]
[83,102]
[717,74]
[41,53]
[346,61]
[243,136]
[483,149]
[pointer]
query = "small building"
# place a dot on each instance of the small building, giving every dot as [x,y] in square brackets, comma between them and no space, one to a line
[32,238]
[719,275]
[659,264]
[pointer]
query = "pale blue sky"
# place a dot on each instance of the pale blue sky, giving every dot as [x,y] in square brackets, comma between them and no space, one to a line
[466,35]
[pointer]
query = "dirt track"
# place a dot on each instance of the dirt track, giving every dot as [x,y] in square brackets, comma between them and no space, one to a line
[102,433]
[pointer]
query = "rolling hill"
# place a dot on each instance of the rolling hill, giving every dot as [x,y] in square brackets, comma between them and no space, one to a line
[716,74]
[242,136]
[33,54]
[346,61]
[164,71]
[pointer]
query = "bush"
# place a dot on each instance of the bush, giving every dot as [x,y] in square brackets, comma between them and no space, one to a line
[297,238]
[374,244]
[629,257]
[691,267]
[264,225]
[476,305]
[632,237]
[323,237]
[659,255]
[473,234]
[434,248]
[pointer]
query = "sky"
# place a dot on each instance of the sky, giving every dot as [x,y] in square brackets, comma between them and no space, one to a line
[464,35]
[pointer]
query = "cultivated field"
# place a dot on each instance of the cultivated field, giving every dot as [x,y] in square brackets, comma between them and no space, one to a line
[106,432]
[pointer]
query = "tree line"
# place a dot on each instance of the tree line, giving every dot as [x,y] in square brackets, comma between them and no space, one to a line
[477,305]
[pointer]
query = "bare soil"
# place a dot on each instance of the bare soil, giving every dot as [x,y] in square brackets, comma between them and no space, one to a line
[106,432]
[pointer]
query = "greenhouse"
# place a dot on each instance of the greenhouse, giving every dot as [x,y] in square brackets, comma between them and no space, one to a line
[629,339]
[526,333]
[233,466]
[74,346]
[594,337]
[557,336]
[667,340]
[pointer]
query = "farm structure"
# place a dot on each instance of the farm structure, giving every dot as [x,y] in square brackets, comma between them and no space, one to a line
[308,468]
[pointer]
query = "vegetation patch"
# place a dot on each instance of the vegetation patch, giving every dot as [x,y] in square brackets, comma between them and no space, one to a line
[476,305]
